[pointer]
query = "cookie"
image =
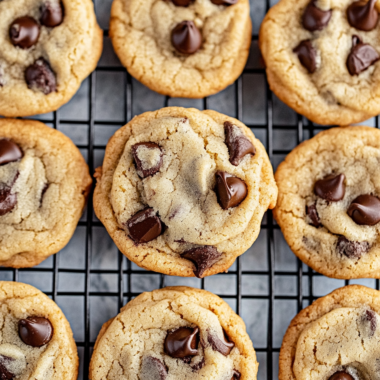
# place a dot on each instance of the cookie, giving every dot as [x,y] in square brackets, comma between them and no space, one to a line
[322,58]
[36,341]
[328,206]
[335,338]
[183,192]
[47,48]
[174,333]
[182,48]
[44,183]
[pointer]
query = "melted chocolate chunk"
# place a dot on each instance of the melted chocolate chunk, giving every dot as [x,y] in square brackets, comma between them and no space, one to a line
[315,18]
[9,151]
[203,258]
[312,213]
[331,188]
[24,32]
[182,3]
[361,57]
[224,2]
[236,375]
[8,200]
[186,37]
[148,158]
[238,145]
[41,77]
[35,331]
[4,373]
[365,210]
[341,376]
[51,14]
[222,346]
[307,55]
[231,191]
[363,15]
[369,323]
[182,343]
[153,368]
[144,226]
[352,249]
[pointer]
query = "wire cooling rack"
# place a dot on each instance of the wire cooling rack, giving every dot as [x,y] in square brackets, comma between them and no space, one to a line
[90,279]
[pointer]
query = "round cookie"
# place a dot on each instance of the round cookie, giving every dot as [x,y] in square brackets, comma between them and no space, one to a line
[36,341]
[44,184]
[47,48]
[335,338]
[328,207]
[174,333]
[182,48]
[322,58]
[180,186]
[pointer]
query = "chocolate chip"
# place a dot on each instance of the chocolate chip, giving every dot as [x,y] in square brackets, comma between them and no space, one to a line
[352,249]
[9,151]
[365,210]
[51,14]
[221,345]
[312,213]
[363,15]
[41,77]
[368,323]
[238,145]
[8,200]
[315,18]
[307,55]
[153,368]
[4,372]
[224,2]
[144,226]
[203,258]
[361,57]
[24,32]
[331,188]
[35,331]
[231,191]
[235,375]
[148,158]
[186,37]
[341,376]
[197,366]
[182,3]
[182,342]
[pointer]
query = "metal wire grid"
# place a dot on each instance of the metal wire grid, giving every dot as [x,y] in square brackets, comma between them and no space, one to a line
[125,272]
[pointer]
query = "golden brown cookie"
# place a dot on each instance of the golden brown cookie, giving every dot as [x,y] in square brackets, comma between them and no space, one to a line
[36,341]
[47,48]
[174,333]
[328,206]
[322,58]
[186,48]
[180,186]
[334,338]
[44,183]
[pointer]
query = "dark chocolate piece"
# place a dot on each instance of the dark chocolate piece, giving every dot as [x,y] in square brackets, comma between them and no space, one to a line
[312,213]
[331,188]
[224,2]
[186,37]
[365,210]
[315,18]
[363,15]
[361,57]
[230,190]
[341,375]
[35,331]
[41,77]
[9,151]
[8,200]
[352,249]
[153,368]
[144,226]
[307,55]
[182,343]
[222,346]
[51,14]
[24,32]
[203,258]
[144,168]
[368,323]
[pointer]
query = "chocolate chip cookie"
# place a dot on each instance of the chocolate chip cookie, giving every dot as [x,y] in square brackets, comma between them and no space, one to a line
[44,183]
[322,58]
[174,333]
[36,339]
[182,48]
[329,207]
[336,338]
[47,48]
[183,192]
